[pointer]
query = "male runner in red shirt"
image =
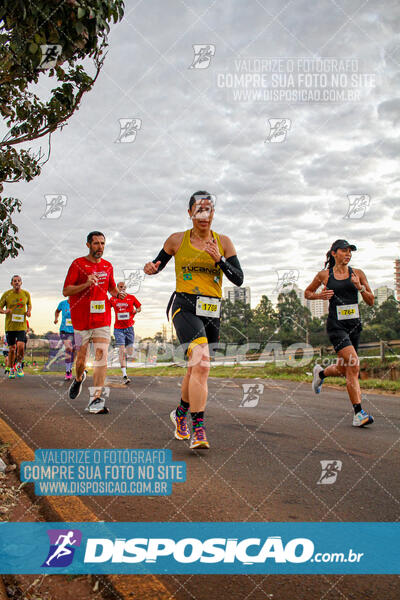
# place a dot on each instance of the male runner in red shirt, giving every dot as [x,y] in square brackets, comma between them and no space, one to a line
[88,280]
[123,327]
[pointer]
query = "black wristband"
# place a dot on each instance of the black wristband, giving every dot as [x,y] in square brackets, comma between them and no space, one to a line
[163,257]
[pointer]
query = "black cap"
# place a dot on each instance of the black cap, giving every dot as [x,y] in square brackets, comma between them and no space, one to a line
[342,244]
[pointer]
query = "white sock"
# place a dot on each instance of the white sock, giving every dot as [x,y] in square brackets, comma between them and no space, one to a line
[123,369]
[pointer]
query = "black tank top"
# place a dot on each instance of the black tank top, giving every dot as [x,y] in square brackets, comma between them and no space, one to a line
[345,293]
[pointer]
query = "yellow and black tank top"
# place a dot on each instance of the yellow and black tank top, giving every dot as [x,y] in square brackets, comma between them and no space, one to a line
[195,270]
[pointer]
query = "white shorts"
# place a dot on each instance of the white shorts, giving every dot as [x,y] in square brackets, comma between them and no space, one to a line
[86,335]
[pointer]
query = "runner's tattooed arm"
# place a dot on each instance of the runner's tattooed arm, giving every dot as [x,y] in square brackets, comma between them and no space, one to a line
[359,279]
[321,278]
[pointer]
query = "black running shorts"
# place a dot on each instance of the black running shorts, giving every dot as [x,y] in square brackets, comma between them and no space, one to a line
[341,337]
[192,329]
[15,336]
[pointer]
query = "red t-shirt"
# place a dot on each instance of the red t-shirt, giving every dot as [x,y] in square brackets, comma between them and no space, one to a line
[124,308]
[90,308]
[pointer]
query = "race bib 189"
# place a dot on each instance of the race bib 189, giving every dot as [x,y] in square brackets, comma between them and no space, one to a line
[347,311]
[208,307]
[97,306]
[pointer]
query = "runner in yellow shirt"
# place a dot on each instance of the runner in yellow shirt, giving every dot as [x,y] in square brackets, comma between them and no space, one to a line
[201,257]
[17,306]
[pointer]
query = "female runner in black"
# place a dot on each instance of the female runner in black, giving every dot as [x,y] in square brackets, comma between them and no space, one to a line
[341,287]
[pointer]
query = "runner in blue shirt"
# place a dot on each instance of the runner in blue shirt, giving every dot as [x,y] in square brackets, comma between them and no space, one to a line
[66,335]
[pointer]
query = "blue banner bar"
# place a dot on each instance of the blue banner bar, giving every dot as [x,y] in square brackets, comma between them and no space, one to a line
[212,548]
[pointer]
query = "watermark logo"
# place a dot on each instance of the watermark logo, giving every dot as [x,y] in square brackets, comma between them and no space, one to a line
[128,129]
[251,394]
[50,54]
[203,206]
[278,129]
[56,355]
[133,279]
[203,54]
[392,56]
[329,471]
[62,547]
[55,203]
[358,206]
[286,279]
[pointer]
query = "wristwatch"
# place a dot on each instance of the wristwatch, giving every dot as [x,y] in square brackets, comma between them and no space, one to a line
[362,289]
[221,260]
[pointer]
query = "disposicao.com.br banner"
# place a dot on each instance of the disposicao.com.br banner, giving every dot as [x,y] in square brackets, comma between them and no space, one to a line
[213,548]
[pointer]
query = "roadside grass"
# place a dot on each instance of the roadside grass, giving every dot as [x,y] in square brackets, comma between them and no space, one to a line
[268,371]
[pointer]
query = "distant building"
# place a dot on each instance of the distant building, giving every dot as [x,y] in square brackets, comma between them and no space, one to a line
[318,308]
[397,278]
[234,294]
[299,293]
[382,294]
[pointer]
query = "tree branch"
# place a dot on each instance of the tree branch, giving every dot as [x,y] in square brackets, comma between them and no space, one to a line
[51,128]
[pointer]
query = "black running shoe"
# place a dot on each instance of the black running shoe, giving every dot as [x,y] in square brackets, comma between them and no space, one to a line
[126,380]
[76,387]
[97,406]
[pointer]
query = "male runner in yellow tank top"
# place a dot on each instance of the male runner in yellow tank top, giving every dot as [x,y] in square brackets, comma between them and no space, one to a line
[18,307]
[201,257]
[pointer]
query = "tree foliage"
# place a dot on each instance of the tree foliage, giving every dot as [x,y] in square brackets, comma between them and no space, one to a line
[40,40]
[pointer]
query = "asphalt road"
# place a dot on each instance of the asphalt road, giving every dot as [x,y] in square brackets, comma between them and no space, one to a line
[263,465]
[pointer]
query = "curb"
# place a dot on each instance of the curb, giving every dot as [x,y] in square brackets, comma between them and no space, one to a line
[3,593]
[72,509]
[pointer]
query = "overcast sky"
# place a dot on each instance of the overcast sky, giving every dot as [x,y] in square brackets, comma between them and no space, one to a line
[282,202]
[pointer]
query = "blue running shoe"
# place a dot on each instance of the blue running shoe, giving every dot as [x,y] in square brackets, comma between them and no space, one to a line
[362,418]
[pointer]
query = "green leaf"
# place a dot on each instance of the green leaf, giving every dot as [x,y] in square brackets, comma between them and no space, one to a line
[81,12]
[33,48]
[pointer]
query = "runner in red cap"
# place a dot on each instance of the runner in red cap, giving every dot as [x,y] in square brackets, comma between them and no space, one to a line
[124,334]
[88,280]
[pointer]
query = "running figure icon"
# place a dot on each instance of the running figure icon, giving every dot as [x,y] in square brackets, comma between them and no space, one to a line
[62,549]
